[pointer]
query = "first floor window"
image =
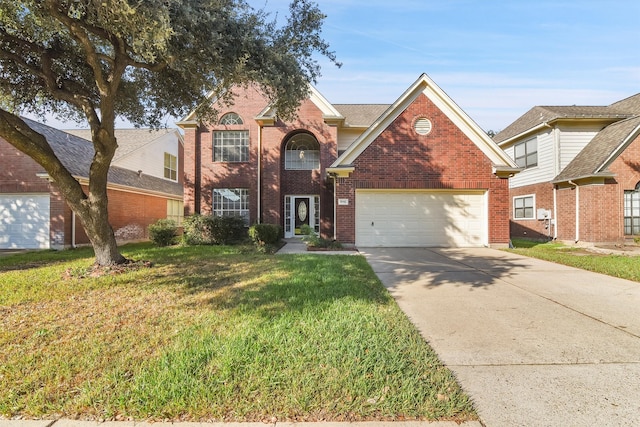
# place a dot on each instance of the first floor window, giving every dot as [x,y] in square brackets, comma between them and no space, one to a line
[524,207]
[175,211]
[231,146]
[170,167]
[632,212]
[231,202]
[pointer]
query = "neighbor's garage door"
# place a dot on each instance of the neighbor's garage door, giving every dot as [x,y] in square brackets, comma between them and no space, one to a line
[421,218]
[24,221]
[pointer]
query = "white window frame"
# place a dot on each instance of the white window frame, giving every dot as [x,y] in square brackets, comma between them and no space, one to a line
[524,207]
[231,119]
[170,170]
[298,155]
[231,202]
[231,146]
[526,161]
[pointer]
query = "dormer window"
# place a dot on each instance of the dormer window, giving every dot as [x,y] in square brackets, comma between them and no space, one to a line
[230,119]
[302,152]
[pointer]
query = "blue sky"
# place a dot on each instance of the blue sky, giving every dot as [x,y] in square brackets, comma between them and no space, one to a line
[496,59]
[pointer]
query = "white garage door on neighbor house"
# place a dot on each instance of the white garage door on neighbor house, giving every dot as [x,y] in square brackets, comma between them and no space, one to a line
[421,218]
[24,221]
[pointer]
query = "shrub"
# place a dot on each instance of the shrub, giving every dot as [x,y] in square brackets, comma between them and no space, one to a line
[163,232]
[213,230]
[265,235]
[314,241]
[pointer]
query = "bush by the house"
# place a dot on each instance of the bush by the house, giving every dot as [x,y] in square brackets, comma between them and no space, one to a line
[164,232]
[213,230]
[313,240]
[265,236]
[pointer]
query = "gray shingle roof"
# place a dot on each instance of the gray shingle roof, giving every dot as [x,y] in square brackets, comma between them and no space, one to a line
[76,155]
[361,115]
[591,160]
[545,114]
[129,140]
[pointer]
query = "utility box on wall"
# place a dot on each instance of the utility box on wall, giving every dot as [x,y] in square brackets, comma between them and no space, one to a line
[544,214]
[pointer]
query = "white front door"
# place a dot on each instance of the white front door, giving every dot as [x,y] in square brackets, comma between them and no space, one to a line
[298,212]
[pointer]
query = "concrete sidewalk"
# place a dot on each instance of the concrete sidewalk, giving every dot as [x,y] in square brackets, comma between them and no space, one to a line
[534,343]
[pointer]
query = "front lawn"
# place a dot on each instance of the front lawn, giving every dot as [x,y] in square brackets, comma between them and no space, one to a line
[623,266]
[213,333]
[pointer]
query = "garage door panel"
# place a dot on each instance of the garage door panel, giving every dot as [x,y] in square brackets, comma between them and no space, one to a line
[436,219]
[24,221]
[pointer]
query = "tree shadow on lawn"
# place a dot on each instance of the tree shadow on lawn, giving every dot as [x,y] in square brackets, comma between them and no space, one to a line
[270,285]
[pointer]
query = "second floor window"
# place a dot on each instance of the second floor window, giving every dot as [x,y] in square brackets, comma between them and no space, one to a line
[231,146]
[526,153]
[170,167]
[302,152]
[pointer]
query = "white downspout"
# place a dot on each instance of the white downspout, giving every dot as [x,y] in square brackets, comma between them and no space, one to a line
[577,210]
[555,212]
[335,207]
[73,229]
[259,193]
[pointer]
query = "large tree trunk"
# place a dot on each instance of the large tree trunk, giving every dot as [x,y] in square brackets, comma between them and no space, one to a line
[95,220]
[90,208]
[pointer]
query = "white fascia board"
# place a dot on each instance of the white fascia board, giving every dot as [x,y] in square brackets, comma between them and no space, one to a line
[424,85]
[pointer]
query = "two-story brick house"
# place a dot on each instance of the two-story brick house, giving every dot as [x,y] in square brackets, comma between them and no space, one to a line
[581,177]
[418,172]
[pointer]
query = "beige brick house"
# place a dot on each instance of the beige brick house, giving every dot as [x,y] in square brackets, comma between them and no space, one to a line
[581,177]
[418,172]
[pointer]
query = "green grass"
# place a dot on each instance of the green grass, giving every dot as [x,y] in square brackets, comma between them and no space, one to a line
[214,333]
[623,266]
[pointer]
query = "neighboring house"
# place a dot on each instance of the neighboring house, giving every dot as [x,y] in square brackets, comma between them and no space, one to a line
[157,153]
[581,177]
[418,172]
[33,214]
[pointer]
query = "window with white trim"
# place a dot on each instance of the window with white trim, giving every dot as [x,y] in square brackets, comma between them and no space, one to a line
[524,207]
[526,153]
[231,119]
[175,211]
[632,212]
[302,152]
[231,202]
[170,167]
[231,146]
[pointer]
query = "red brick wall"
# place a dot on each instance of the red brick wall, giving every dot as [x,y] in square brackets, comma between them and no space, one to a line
[532,228]
[446,158]
[276,182]
[18,172]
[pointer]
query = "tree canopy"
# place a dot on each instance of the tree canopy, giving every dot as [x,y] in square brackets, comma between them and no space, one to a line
[141,60]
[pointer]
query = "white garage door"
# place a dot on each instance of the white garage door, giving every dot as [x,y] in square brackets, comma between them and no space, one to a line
[421,218]
[24,221]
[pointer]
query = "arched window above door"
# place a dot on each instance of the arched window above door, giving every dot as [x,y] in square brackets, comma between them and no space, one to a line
[302,152]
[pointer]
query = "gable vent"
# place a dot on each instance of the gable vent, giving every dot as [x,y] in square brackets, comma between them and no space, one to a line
[422,126]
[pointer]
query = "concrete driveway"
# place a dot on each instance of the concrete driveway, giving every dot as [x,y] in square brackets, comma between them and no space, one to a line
[534,343]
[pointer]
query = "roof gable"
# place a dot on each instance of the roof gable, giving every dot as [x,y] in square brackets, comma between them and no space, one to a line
[424,85]
[602,150]
[329,112]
